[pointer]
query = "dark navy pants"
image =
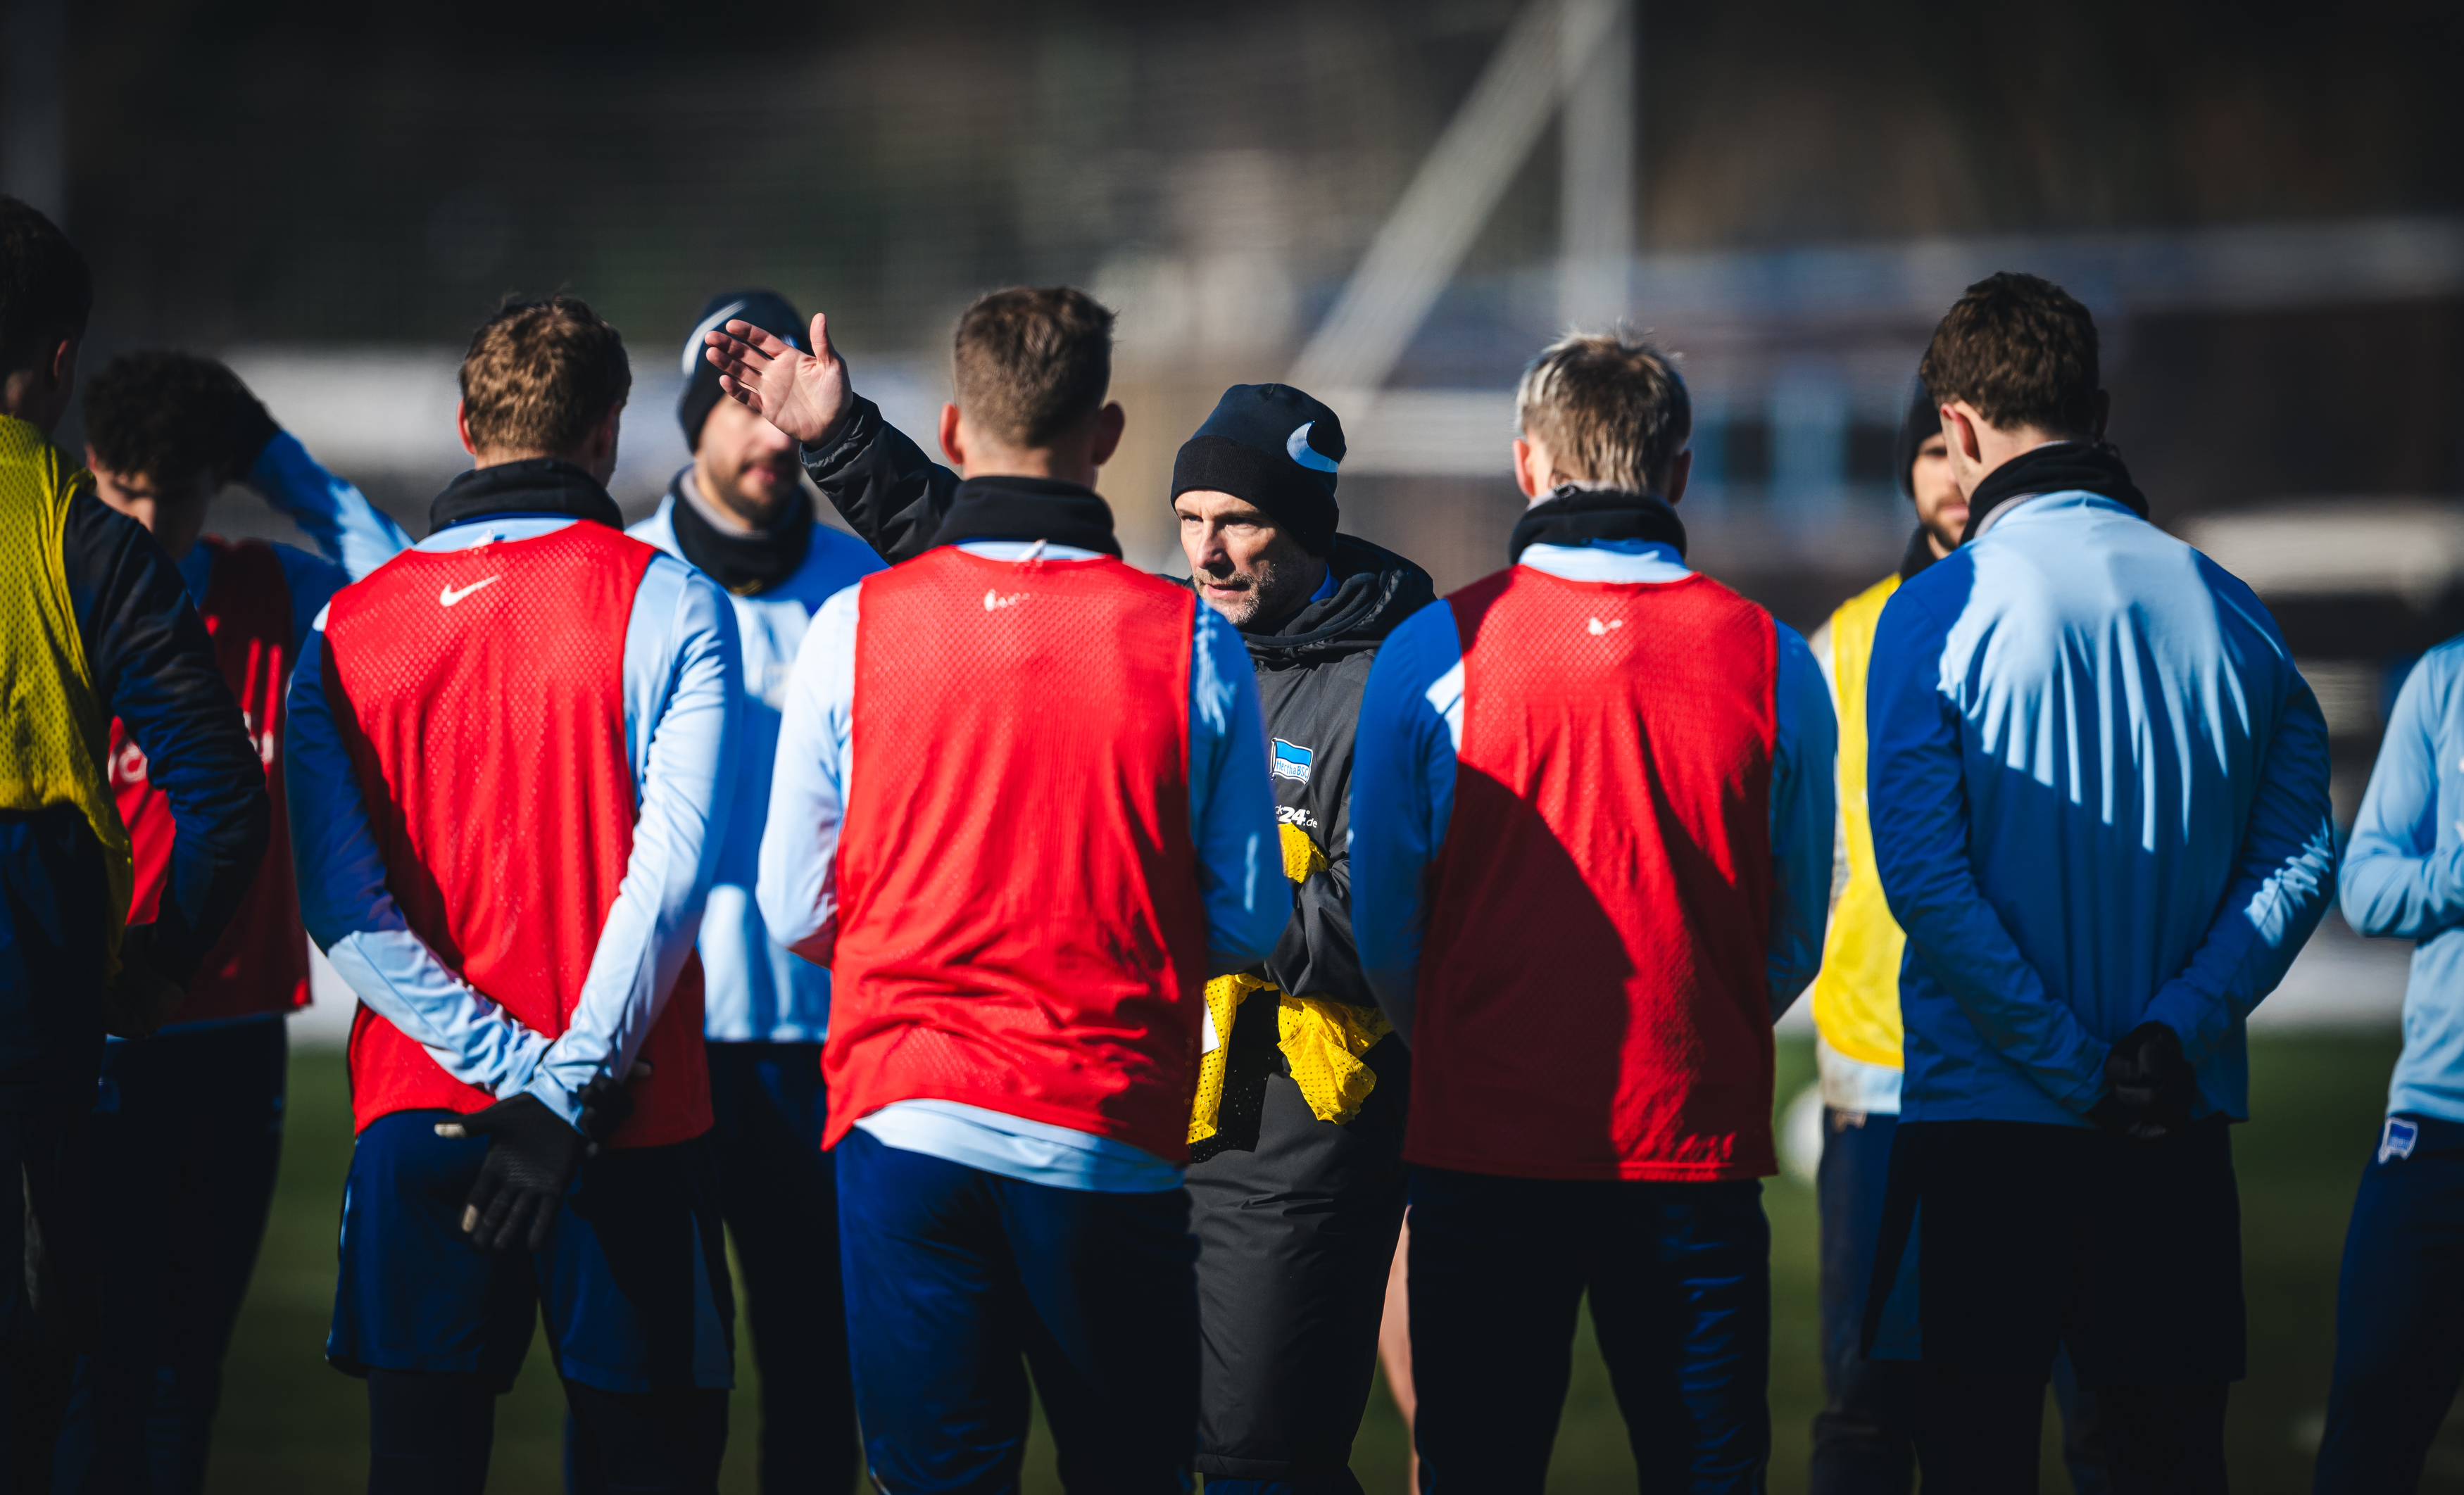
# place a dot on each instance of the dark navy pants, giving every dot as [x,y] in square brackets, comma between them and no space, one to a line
[2399,1312]
[1863,1441]
[186,1139]
[779,1191]
[1678,1276]
[955,1274]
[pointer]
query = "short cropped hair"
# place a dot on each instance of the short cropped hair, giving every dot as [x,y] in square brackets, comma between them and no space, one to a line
[1030,365]
[1610,408]
[540,374]
[169,416]
[2022,350]
[46,292]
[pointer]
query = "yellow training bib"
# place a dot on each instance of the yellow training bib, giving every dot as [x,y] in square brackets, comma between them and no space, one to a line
[1856,996]
[54,738]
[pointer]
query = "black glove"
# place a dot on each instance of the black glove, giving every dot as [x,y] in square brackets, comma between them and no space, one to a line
[2149,1086]
[607,1104]
[531,1157]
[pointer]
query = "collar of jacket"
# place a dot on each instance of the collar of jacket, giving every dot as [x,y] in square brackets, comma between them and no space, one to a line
[2064,467]
[1917,555]
[746,564]
[537,485]
[1030,507]
[1374,590]
[1571,516]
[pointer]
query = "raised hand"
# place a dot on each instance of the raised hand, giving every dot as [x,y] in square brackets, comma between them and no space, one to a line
[804,394]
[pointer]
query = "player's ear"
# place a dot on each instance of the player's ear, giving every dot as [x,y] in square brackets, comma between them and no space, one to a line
[1525,477]
[1680,468]
[1109,422]
[953,445]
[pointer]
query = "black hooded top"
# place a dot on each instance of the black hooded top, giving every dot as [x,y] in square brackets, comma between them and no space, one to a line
[1311,672]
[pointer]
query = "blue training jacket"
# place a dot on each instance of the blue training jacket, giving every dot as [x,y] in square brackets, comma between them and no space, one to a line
[752,989]
[2098,792]
[2404,876]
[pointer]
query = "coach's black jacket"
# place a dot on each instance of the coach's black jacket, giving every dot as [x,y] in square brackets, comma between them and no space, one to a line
[1310,674]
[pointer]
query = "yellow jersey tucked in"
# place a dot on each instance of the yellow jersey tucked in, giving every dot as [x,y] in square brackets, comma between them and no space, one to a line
[54,738]
[1856,995]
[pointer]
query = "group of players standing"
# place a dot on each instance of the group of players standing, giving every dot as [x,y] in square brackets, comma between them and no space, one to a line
[1035,968]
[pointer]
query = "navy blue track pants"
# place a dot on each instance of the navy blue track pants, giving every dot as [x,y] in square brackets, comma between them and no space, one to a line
[185,1141]
[955,1275]
[1678,1276]
[2399,1312]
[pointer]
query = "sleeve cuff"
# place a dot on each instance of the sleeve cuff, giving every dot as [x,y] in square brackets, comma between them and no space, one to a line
[551,1094]
[855,433]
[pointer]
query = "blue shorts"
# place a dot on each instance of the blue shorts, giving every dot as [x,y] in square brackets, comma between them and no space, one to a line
[632,1281]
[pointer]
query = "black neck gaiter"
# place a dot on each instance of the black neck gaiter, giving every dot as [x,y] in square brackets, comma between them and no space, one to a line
[1919,554]
[1572,516]
[745,564]
[534,485]
[1030,507]
[2063,468]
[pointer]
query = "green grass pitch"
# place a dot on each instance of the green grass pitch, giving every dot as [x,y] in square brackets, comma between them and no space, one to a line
[288,1422]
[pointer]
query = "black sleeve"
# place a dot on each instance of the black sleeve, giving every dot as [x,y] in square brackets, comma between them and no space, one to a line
[153,666]
[889,492]
[1317,956]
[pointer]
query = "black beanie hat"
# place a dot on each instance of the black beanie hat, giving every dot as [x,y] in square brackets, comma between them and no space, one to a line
[766,309]
[1274,446]
[1921,423]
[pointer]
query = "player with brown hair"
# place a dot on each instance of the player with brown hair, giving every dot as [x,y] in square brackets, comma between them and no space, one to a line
[2097,790]
[1020,808]
[511,753]
[1296,1178]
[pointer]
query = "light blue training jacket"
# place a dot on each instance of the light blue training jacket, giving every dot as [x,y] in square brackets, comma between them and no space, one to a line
[2403,877]
[2098,792]
[754,989]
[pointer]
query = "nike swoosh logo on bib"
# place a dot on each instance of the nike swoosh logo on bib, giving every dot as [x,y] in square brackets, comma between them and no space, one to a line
[452,595]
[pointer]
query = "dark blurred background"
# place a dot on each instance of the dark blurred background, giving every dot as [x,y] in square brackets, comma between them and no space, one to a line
[1393,204]
[2264,204]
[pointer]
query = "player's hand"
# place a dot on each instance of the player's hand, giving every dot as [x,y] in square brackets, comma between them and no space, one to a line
[2148,1084]
[606,1104]
[139,998]
[531,1157]
[804,394]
